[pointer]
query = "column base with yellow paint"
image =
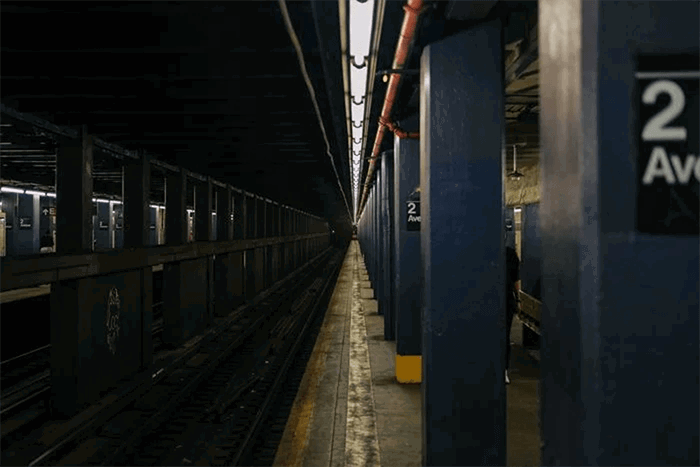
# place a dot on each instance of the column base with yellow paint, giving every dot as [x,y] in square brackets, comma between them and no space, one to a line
[409,368]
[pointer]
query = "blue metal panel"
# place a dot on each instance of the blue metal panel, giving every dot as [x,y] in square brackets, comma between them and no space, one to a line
[377,239]
[36,222]
[387,244]
[371,251]
[407,269]
[462,250]
[530,267]
[119,226]
[25,225]
[620,308]
[510,227]
[373,239]
[152,226]
[380,239]
[46,205]
[101,227]
[9,205]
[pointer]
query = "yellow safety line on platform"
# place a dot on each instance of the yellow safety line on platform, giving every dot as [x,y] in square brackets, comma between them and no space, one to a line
[361,440]
[301,416]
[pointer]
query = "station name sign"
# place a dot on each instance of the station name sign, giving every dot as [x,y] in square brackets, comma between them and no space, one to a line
[412,215]
[668,163]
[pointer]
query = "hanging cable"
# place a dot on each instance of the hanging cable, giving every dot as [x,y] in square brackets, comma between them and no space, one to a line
[307,80]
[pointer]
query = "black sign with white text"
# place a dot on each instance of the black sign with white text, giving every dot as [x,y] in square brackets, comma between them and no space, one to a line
[412,215]
[668,167]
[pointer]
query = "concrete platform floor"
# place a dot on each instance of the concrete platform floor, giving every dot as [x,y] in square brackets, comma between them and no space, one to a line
[350,410]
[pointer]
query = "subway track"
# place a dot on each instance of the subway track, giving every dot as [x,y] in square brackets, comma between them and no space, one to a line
[26,385]
[210,408]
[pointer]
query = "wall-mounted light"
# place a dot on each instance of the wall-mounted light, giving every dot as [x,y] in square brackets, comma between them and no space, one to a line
[515,174]
[32,192]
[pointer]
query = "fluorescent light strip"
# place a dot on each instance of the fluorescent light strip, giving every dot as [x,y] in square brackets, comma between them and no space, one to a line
[357,113]
[358,82]
[361,15]
[32,192]
[8,189]
[357,134]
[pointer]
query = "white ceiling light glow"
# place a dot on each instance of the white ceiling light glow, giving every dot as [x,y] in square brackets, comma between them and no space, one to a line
[356,134]
[361,15]
[358,113]
[361,19]
[358,83]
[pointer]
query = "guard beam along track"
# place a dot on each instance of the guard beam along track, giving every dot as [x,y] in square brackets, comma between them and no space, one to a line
[202,388]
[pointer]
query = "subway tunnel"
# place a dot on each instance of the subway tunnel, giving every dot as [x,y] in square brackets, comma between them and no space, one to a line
[282,233]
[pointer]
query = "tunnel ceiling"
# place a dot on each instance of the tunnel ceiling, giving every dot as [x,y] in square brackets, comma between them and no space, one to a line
[216,87]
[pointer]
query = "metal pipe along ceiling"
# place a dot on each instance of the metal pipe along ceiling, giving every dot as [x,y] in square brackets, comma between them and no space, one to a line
[408,29]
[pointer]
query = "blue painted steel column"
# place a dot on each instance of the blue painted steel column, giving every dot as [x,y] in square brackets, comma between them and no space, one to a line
[371,251]
[620,278]
[377,234]
[379,271]
[387,244]
[407,267]
[461,113]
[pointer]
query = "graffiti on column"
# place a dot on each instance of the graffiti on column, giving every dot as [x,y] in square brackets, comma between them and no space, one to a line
[112,319]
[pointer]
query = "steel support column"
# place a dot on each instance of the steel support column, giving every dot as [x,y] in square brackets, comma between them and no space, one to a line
[251,222]
[620,279]
[204,232]
[175,208]
[70,346]
[74,196]
[227,277]
[136,189]
[387,268]
[202,211]
[408,275]
[461,125]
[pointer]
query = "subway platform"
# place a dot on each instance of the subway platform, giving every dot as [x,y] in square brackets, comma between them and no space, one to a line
[351,411]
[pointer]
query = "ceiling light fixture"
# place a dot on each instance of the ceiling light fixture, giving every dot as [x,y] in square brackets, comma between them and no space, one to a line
[361,20]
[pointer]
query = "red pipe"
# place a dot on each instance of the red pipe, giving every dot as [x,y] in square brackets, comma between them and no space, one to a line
[398,131]
[408,29]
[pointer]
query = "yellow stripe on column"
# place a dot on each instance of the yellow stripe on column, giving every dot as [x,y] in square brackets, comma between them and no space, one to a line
[408,368]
